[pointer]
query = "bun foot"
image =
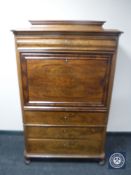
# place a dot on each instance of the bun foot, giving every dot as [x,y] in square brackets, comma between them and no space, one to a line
[27,161]
[102,162]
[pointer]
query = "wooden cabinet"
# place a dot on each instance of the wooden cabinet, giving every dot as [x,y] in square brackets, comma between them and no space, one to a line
[66,71]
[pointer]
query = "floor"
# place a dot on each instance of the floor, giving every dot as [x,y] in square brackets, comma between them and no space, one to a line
[12,160]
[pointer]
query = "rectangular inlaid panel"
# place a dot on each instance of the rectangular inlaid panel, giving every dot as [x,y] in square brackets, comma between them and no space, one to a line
[52,132]
[67,80]
[65,118]
[66,147]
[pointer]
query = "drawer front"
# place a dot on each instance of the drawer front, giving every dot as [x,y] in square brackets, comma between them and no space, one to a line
[65,118]
[65,42]
[64,132]
[64,147]
[65,80]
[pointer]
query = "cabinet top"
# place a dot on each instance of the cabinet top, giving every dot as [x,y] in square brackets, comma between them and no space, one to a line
[66,26]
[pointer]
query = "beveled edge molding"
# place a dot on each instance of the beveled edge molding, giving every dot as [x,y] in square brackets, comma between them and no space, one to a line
[66,22]
[53,156]
[49,108]
[65,126]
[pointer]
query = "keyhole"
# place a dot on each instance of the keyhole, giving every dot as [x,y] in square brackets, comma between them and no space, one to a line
[66,60]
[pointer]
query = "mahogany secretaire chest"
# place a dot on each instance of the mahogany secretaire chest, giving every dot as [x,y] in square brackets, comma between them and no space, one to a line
[66,71]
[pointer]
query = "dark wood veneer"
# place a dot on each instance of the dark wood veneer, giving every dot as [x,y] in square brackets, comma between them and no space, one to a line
[66,71]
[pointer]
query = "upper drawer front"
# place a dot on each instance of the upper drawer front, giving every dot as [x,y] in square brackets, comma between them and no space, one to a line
[67,43]
[65,81]
[65,118]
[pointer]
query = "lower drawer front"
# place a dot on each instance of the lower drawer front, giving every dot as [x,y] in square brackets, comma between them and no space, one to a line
[65,118]
[64,132]
[61,147]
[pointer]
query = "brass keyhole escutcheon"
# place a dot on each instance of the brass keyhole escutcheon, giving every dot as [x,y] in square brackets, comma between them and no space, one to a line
[66,118]
[66,60]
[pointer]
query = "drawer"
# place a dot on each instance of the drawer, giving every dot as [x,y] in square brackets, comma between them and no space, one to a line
[61,147]
[64,132]
[65,118]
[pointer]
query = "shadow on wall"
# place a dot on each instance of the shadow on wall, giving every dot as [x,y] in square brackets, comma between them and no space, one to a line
[120,112]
